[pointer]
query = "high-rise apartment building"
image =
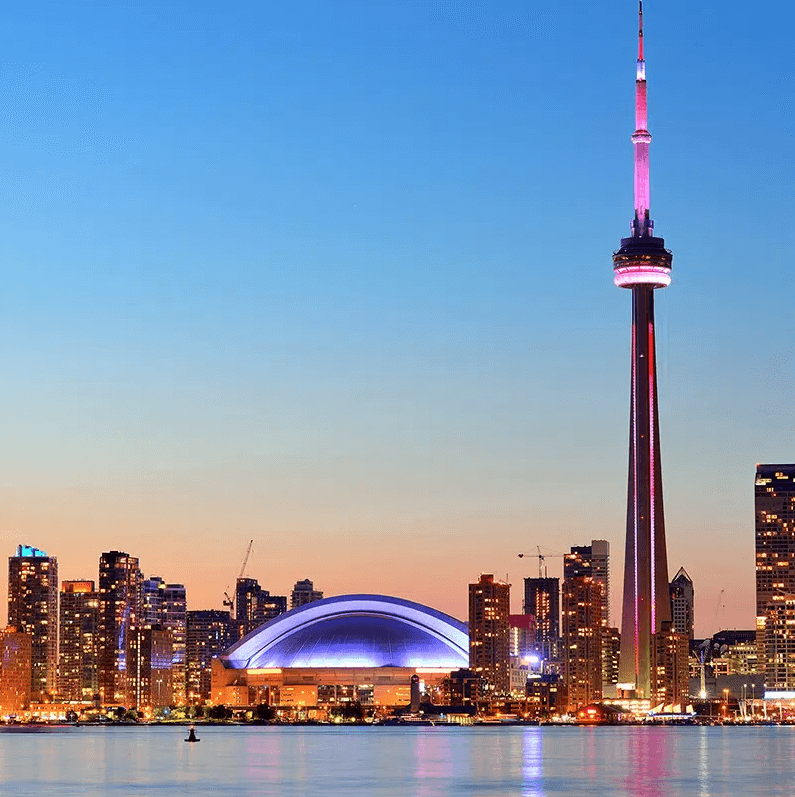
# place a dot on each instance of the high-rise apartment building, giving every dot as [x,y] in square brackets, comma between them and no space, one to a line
[591,560]
[611,651]
[779,644]
[149,674]
[119,613]
[78,636]
[490,633]
[33,609]
[682,603]
[304,592]
[582,640]
[16,663]
[670,670]
[774,499]
[175,621]
[152,612]
[255,605]
[208,634]
[542,600]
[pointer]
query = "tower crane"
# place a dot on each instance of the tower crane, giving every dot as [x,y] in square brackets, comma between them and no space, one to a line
[228,602]
[542,558]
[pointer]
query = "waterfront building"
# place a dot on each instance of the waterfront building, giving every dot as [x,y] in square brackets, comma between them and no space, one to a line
[582,640]
[642,265]
[119,613]
[208,635]
[670,667]
[774,500]
[152,589]
[682,603]
[542,601]
[175,619]
[33,609]
[16,666]
[304,592]
[489,633]
[779,650]
[735,653]
[347,648]
[523,635]
[591,560]
[78,635]
[149,674]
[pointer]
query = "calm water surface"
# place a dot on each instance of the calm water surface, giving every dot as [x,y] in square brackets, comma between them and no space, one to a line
[410,762]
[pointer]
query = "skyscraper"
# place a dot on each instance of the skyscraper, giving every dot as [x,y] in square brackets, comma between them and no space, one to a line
[683,603]
[15,669]
[304,592]
[774,499]
[642,264]
[33,609]
[119,614]
[582,640]
[591,560]
[77,665]
[175,621]
[490,633]
[255,605]
[542,600]
[208,635]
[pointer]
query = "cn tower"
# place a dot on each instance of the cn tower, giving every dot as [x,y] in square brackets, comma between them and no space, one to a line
[642,265]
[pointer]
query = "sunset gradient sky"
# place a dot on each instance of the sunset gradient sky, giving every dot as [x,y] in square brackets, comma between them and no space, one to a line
[337,276]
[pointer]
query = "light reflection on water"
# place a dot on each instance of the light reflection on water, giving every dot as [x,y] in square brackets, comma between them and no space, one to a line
[401,762]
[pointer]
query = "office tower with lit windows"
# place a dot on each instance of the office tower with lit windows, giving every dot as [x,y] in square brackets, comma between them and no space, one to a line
[208,635]
[611,652]
[490,633]
[152,589]
[16,665]
[643,265]
[682,603]
[304,592]
[77,641]
[542,600]
[33,609]
[774,504]
[582,640]
[591,560]
[119,613]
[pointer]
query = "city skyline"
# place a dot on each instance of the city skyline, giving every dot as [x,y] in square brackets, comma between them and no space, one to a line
[257,289]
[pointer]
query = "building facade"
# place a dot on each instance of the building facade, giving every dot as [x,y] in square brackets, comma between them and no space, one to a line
[582,640]
[774,505]
[304,592]
[255,605]
[208,635]
[490,633]
[670,672]
[16,665]
[591,560]
[33,609]
[149,672]
[542,601]
[642,265]
[78,636]
[119,613]
[682,603]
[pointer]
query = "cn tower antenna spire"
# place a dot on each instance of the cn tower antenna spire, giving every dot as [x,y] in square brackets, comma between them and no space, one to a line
[640,30]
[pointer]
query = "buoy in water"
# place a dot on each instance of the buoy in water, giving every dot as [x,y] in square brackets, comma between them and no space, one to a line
[192,736]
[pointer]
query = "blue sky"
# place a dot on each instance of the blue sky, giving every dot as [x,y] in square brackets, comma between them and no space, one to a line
[337,276]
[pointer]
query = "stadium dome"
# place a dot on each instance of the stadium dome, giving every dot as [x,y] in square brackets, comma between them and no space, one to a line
[354,631]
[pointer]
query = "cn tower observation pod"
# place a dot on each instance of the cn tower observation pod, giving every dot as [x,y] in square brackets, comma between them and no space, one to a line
[354,631]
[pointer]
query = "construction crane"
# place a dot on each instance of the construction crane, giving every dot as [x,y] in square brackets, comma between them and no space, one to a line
[542,567]
[228,602]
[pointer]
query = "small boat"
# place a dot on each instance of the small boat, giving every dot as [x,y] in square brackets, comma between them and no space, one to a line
[192,736]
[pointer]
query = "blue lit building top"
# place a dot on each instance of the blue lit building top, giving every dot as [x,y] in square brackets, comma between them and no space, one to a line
[355,631]
[29,552]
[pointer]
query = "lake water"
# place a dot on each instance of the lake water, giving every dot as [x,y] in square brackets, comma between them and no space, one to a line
[404,762]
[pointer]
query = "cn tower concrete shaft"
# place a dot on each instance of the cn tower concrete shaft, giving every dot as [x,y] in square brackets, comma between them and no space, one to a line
[643,265]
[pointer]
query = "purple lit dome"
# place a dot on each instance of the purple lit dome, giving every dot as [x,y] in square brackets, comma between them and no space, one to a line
[355,631]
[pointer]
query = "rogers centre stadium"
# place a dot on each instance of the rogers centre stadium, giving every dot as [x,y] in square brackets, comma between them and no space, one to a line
[361,648]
